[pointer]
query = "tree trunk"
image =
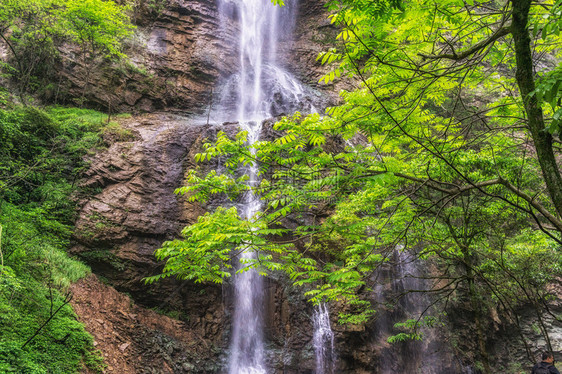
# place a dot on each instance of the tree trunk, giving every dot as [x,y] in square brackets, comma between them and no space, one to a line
[526,82]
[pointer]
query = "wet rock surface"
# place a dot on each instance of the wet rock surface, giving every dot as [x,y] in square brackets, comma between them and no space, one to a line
[177,56]
[132,207]
[511,353]
[131,211]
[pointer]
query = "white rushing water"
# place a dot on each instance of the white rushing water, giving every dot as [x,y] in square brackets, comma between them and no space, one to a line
[260,89]
[247,350]
[323,340]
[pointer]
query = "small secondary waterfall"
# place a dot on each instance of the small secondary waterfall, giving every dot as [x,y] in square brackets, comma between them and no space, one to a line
[401,282]
[258,90]
[323,339]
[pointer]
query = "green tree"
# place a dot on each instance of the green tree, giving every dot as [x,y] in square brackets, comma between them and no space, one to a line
[96,25]
[99,27]
[33,30]
[29,31]
[446,148]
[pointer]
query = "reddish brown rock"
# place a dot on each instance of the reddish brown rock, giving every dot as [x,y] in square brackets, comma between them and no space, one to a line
[134,339]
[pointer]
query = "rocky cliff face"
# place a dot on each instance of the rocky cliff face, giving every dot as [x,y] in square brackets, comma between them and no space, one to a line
[132,209]
[513,354]
[134,339]
[177,57]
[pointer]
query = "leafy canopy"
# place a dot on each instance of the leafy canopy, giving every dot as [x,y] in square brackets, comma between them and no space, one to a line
[430,153]
[35,30]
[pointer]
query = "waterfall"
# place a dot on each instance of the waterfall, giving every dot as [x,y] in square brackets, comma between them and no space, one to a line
[323,340]
[401,282]
[258,90]
[261,87]
[247,355]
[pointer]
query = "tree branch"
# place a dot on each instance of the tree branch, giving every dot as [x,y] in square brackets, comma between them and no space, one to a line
[553,219]
[501,32]
[67,299]
[458,190]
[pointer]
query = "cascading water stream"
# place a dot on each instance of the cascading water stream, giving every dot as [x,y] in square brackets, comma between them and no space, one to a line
[260,89]
[323,340]
[247,355]
[404,282]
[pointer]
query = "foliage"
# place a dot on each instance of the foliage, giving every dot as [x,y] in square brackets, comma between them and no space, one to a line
[114,132]
[550,81]
[33,30]
[154,8]
[97,25]
[440,150]
[25,304]
[433,166]
[41,155]
[411,328]
[41,158]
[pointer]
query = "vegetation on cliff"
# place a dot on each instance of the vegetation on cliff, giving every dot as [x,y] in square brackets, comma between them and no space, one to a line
[34,31]
[41,160]
[448,149]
